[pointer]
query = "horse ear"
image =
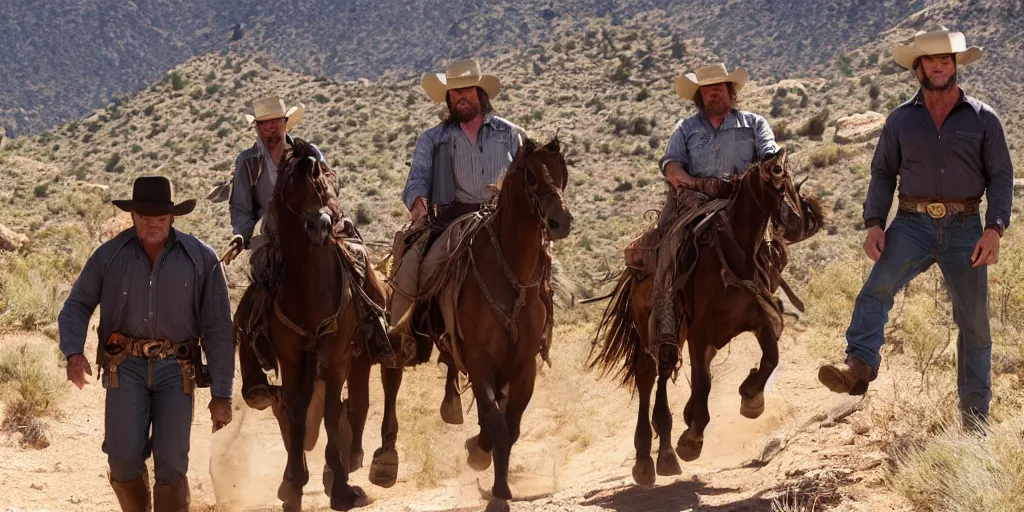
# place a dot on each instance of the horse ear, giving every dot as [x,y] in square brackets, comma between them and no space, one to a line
[554,145]
[529,146]
[314,169]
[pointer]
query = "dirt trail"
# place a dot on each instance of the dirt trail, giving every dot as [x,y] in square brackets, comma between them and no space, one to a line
[575,453]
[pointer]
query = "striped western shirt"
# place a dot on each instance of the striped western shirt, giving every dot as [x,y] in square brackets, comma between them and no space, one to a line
[742,139]
[447,167]
[184,297]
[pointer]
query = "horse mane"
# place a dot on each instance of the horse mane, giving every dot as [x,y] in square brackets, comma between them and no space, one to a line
[301,150]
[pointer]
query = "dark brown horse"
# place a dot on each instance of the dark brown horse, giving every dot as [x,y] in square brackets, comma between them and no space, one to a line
[317,325]
[491,302]
[728,292]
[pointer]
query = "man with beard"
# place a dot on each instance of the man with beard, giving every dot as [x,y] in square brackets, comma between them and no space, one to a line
[947,149]
[716,142]
[254,180]
[455,168]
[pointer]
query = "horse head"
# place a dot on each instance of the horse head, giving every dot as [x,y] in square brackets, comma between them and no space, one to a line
[544,177]
[797,217]
[303,198]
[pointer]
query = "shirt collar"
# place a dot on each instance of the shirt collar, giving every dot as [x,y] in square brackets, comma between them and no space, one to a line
[918,99]
[733,115]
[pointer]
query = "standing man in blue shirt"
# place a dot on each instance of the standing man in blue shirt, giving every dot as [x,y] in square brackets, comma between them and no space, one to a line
[947,149]
[160,292]
[718,141]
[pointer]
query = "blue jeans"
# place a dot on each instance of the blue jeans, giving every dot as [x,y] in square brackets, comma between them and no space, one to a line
[138,404]
[912,244]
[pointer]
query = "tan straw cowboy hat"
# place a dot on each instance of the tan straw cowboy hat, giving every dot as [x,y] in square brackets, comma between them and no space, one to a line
[687,85]
[270,108]
[459,74]
[153,196]
[940,42]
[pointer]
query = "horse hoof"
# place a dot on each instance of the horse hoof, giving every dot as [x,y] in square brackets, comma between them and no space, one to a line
[668,464]
[643,472]
[328,480]
[752,407]
[451,409]
[689,446]
[355,461]
[260,396]
[384,468]
[291,498]
[349,499]
[497,505]
[477,459]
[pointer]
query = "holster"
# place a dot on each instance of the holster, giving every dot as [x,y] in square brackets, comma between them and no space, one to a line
[112,356]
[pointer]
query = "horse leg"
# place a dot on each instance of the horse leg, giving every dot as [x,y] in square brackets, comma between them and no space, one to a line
[520,391]
[451,405]
[752,389]
[668,356]
[295,403]
[697,415]
[343,496]
[492,422]
[479,447]
[358,407]
[643,469]
[384,469]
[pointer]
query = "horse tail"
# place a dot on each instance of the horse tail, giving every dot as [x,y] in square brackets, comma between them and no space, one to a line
[622,348]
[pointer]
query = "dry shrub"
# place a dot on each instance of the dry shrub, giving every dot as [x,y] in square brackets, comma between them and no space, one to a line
[956,470]
[32,386]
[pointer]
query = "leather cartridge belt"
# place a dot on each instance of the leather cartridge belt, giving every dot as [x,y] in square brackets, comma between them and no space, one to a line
[152,349]
[938,208]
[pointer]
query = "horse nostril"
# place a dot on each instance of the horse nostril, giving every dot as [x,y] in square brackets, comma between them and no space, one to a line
[553,224]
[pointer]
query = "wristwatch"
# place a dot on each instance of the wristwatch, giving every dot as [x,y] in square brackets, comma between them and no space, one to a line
[997,227]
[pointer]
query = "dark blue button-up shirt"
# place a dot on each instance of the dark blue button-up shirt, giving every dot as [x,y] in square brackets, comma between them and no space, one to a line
[183,297]
[968,157]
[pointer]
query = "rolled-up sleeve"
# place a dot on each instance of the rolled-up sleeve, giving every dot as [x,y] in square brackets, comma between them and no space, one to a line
[243,218]
[998,171]
[421,174]
[885,167]
[73,320]
[676,150]
[765,138]
[215,329]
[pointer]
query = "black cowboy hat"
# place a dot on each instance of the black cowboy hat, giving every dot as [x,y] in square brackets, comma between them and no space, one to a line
[153,196]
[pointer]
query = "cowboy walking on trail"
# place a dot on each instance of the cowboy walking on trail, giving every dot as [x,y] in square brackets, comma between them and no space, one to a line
[716,142]
[163,298]
[947,149]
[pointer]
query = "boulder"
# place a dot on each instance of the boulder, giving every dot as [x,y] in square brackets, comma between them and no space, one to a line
[859,127]
[11,241]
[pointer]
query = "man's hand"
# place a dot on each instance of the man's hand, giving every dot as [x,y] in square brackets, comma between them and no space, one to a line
[874,243]
[78,368]
[419,211]
[677,177]
[220,412]
[986,252]
[493,188]
[237,243]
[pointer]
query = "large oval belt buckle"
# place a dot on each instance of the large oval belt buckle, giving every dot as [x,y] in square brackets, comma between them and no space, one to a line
[936,210]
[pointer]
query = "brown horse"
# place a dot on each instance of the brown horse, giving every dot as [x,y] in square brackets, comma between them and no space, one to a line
[491,303]
[317,326]
[728,292]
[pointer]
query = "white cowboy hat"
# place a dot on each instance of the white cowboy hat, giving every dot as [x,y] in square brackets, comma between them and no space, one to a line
[936,43]
[270,108]
[459,74]
[687,85]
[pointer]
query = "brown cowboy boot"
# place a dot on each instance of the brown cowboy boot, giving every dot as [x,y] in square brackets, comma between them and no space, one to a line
[172,497]
[665,327]
[851,380]
[133,496]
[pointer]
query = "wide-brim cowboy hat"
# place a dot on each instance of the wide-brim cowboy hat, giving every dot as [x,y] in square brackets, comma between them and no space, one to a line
[153,196]
[459,74]
[268,109]
[688,84]
[940,42]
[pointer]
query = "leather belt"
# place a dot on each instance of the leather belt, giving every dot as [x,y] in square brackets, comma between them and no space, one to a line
[153,349]
[938,209]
